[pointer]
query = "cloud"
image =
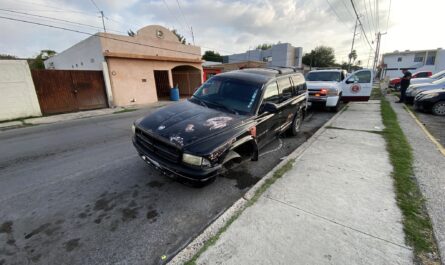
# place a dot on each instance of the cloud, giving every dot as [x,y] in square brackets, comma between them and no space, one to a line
[228,26]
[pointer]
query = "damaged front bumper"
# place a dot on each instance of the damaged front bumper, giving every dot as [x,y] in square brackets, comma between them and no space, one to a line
[175,170]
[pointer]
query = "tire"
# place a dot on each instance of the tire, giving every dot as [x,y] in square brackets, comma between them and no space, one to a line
[296,123]
[438,108]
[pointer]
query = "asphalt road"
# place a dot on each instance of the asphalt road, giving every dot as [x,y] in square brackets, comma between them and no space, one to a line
[434,124]
[77,193]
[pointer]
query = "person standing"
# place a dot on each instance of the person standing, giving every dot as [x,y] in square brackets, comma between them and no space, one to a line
[404,84]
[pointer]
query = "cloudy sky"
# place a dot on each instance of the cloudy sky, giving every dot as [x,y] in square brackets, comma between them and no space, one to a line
[229,26]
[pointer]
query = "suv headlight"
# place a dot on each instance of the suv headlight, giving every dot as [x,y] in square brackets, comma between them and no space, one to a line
[133,129]
[195,160]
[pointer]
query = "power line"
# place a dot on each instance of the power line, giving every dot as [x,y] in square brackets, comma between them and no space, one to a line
[96,35]
[367,18]
[335,12]
[186,22]
[55,19]
[371,12]
[173,15]
[94,3]
[389,12]
[360,23]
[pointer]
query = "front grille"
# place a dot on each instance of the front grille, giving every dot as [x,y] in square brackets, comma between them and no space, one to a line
[158,147]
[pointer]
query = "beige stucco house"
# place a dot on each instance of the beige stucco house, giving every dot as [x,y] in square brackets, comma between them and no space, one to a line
[138,69]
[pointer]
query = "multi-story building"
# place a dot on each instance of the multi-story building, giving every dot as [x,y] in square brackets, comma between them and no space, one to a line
[281,54]
[414,61]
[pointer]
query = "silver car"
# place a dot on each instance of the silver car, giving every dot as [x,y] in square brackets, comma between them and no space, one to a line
[436,76]
[413,90]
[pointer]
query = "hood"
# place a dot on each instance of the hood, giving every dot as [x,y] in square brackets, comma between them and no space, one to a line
[186,123]
[421,80]
[322,84]
[440,90]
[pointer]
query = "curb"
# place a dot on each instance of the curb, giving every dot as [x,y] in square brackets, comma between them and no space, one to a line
[196,244]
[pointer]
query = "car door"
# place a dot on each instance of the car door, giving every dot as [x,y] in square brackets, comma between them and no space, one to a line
[286,108]
[268,123]
[358,86]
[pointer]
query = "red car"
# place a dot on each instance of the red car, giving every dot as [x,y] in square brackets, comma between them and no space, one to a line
[395,82]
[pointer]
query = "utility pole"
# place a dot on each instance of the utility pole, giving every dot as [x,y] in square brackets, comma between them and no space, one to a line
[103,22]
[352,46]
[377,51]
[193,36]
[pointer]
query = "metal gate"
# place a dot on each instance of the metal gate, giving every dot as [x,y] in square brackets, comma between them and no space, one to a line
[162,83]
[187,82]
[61,91]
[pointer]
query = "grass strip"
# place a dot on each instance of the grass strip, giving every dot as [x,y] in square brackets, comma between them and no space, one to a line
[267,183]
[417,225]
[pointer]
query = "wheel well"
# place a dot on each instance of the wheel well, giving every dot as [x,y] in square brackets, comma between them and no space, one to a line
[245,150]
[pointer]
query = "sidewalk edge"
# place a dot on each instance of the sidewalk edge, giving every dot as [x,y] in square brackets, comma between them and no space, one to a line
[188,252]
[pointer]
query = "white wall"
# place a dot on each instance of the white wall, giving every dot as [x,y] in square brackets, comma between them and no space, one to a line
[85,55]
[391,61]
[18,96]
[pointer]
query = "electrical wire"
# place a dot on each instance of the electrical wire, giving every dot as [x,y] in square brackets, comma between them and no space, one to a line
[389,12]
[94,3]
[335,12]
[360,23]
[96,35]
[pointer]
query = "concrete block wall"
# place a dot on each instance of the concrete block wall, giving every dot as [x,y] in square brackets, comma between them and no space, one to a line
[18,96]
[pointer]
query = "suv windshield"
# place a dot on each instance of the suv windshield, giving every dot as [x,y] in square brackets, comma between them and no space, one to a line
[323,76]
[232,95]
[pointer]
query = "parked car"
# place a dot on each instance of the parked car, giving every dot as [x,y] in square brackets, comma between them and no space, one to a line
[329,87]
[395,82]
[436,76]
[228,119]
[431,101]
[413,90]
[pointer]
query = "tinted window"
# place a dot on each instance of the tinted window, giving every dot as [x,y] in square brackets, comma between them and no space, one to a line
[323,76]
[361,77]
[299,84]
[235,94]
[271,93]
[285,88]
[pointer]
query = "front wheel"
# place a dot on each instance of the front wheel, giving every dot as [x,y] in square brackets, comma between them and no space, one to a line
[438,108]
[296,123]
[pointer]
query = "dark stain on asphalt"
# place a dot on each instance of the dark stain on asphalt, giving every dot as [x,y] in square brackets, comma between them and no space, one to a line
[36,258]
[72,244]
[151,215]
[6,227]
[155,184]
[2,262]
[129,214]
[103,204]
[82,215]
[135,193]
[10,242]
[37,230]
[243,178]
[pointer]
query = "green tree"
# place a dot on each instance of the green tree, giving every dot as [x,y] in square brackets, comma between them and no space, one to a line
[321,56]
[37,62]
[264,46]
[179,36]
[352,56]
[7,57]
[212,56]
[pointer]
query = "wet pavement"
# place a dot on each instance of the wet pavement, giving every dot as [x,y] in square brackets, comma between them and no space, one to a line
[77,193]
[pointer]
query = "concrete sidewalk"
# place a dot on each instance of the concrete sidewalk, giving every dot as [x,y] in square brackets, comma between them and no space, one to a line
[335,206]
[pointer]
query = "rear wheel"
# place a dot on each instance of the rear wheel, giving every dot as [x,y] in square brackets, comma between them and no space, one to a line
[296,123]
[439,108]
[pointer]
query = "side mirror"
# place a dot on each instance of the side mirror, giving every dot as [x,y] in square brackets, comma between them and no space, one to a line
[269,107]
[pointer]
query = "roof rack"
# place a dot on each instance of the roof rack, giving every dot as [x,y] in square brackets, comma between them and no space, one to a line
[283,69]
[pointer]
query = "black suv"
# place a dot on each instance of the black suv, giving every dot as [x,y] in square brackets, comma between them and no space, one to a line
[228,118]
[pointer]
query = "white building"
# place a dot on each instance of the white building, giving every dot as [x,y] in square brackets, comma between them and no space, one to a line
[281,54]
[414,61]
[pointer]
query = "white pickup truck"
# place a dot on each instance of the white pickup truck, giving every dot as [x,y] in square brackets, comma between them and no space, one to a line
[329,87]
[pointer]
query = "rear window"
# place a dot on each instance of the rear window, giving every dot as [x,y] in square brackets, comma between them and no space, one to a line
[323,76]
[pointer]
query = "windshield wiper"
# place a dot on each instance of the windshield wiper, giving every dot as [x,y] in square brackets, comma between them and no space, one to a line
[201,101]
[224,107]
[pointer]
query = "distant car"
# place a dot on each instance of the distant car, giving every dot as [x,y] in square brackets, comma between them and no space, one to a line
[395,82]
[431,101]
[430,79]
[329,87]
[413,90]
